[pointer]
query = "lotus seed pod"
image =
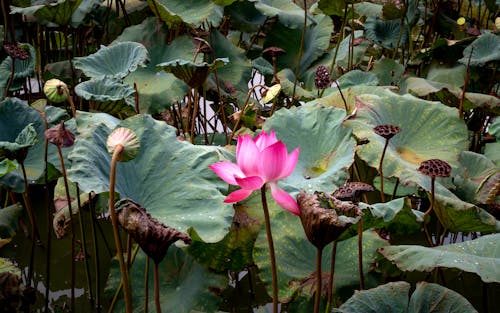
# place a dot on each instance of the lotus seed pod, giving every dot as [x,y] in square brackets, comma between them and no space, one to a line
[386,131]
[55,90]
[322,78]
[435,168]
[126,138]
[351,190]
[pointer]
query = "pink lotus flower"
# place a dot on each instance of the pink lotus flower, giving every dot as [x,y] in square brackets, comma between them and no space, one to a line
[262,160]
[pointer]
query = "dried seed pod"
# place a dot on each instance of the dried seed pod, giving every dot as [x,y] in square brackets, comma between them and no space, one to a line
[351,190]
[60,136]
[386,131]
[55,90]
[127,138]
[435,168]
[273,51]
[322,78]
[16,51]
[153,237]
[324,225]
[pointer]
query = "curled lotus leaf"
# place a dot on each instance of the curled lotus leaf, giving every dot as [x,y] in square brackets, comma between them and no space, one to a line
[387,33]
[193,74]
[326,147]
[168,177]
[484,49]
[188,11]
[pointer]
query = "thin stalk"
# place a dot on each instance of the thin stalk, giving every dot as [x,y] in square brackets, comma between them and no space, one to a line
[157,288]
[129,251]
[120,285]
[317,298]
[71,103]
[114,221]
[431,207]
[11,77]
[380,169]
[466,82]
[395,189]
[96,258]
[146,285]
[360,254]
[331,278]
[84,245]
[72,222]
[301,51]
[49,217]
[270,242]
[237,124]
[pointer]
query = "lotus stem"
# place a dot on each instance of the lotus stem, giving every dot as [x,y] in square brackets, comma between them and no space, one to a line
[34,230]
[331,278]
[429,210]
[301,51]
[72,222]
[466,82]
[146,285]
[157,288]
[70,101]
[96,258]
[360,254]
[270,242]
[381,171]
[237,124]
[84,245]
[48,216]
[317,298]
[120,285]
[114,220]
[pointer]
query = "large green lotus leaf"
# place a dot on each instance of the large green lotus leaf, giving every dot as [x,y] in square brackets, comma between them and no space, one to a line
[170,178]
[244,16]
[385,33]
[422,134]
[332,7]
[484,49]
[105,89]
[192,73]
[15,115]
[492,150]
[184,284]
[22,68]
[368,9]
[335,99]
[454,76]
[117,60]
[394,298]
[346,51]
[388,71]
[480,256]
[188,11]
[6,166]
[289,14]
[326,147]
[476,170]
[295,255]
[316,42]
[356,78]
[235,74]
[149,33]
[287,80]
[9,219]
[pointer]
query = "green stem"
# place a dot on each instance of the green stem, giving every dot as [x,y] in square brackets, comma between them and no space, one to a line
[317,298]
[270,242]
[157,288]
[114,221]
[382,196]
[331,278]
[301,48]
[360,254]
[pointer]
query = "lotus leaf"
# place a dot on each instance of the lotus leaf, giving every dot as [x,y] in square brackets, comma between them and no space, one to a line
[394,298]
[316,42]
[367,8]
[356,78]
[117,60]
[492,150]
[289,14]
[22,68]
[6,166]
[6,266]
[332,7]
[326,147]
[170,178]
[295,255]
[188,11]
[346,51]
[184,284]
[388,71]
[335,99]
[9,219]
[148,33]
[244,16]
[484,49]
[193,74]
[287,78]
[387,33]
[454,76]
[480,256]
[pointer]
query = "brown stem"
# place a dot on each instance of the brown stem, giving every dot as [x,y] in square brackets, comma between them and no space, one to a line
[331,278]
[466,82]
[114,221]
[431,207]
[34,230]
[317,298]
[271,248]
[157,288]
[146,285]
[301,48]
[70,100]
[360,254]
[382,196]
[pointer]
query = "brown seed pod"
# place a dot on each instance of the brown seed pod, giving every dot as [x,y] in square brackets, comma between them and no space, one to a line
[435,168]
[351,190]
[386,131]
[322,78]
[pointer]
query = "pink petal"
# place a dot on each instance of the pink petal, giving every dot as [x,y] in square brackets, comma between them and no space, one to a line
[273,161]
[250,183]
[291,162]
[285,200]
[237,196]
[247,155]
[263,140]
[227,171]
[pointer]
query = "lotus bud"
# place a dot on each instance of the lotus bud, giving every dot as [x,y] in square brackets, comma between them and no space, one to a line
[60,136]
[55,90]
[324,218]
[435,168]
[126,138]
[153,237]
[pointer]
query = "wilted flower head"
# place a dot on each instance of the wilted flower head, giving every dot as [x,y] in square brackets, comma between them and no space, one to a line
[435,168]
[126,138]
[261,160]
[16,51]
[60,136]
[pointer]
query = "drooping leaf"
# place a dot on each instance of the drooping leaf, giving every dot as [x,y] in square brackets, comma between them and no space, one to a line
[117,60]
[484,49]
[188,11]
[9,220]
[192,73]
[148,33]
[16,150]
[6,166]
[480,256]
[394,298]
[326,147]
[170,178]
[184,284]
[295,255]
[346,50]
[388,71]
[287,79]
[386,32]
